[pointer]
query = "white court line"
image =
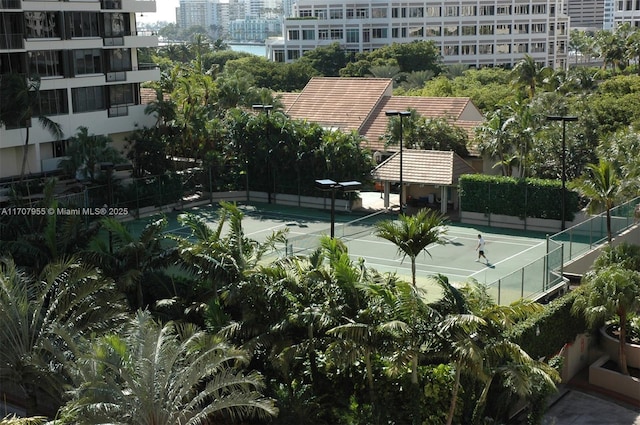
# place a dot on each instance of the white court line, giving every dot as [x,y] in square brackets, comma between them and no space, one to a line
[508,258]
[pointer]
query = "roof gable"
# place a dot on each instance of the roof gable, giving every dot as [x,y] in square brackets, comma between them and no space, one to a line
[344,103]
[423,167]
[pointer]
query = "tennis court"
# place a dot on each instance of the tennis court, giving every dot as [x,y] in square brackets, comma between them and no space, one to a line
[508,251]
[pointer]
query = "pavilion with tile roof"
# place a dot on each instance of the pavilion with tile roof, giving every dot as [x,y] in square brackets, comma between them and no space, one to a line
[348,104]
[430,177]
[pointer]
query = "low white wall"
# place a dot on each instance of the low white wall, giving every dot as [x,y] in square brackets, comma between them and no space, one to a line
[612,380]
[611,345]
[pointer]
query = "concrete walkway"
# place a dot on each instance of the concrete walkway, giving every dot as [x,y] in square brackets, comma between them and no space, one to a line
[579,408]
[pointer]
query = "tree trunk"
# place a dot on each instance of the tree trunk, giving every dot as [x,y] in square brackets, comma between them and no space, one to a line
[25,150]
[413,271]
[622,337]
[454,396]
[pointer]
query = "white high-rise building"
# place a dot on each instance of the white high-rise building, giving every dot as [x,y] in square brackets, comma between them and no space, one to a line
[472,32]
[86,55]
[586,14]
[626,11]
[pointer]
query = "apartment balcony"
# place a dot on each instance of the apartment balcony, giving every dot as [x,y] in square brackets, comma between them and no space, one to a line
[136,39]
[136,6]
[11,42]
[10,4]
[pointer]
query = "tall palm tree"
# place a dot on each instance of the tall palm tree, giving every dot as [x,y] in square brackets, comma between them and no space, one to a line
[603,187]
[15,420]
[164,375]
[611,290]
[528,73]
[44,319]
[412,234]
[25,104]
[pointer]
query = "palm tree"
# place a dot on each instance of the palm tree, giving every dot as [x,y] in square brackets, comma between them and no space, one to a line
[603,187]
[24,105]
[44,318]
[473,333]
[171,374]
[15,420]
[128,259]
[413,234]
[527,73]
[86,151]
[611,290]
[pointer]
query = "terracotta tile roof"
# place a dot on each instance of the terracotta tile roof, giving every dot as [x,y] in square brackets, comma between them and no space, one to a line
[423,167]
[459,110]
[147,95]
[344,103]
[287,99]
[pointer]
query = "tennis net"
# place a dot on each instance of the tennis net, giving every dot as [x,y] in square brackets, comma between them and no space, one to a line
[354,229]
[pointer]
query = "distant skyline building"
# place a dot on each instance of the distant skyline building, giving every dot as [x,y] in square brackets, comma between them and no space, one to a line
[586,14]
[472,32]
[86,56]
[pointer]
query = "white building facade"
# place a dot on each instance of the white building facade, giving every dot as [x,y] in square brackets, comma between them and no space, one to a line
[477,33]
[626,11]
[85,54]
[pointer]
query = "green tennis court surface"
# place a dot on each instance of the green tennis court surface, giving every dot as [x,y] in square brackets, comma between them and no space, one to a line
[508,251]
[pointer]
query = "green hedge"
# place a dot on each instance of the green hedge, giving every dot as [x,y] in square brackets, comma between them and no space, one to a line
[535,198]
[544,334]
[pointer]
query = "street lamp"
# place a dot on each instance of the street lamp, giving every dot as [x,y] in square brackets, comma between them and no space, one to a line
[266,109]
[400,114]
[329,185]
[564,119]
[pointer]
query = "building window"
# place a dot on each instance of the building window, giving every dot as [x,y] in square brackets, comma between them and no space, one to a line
[395,32]
[450,30]
[522,9]
[416,32]
[485,49]
[538,9]
[83,24]
[433,31]
[320,13]
[521,28]
[503,10]
[416,12]
[336,14]
[433,11]
[53,102]
[451,11]
[366,36]
[537,47]
[468,49]
[450,51]
[45,63]
[121,94]
[503,29]
[487,10]
[293,35]
[323,34]
[362,13]
[538,28]
[305,13]
[59,148]
[119,60]
[468,11]
[278,55]
[379,12]
[337,34]
[520,48]
[353,35]
[486,29]
[116,25]
[87,61]
[87,99]
[503,48]
[468,30]
[42,25]
[293,54]
[308,35]
[379,33]
[395,12]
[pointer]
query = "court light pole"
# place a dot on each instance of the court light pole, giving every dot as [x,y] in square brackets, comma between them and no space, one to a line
[327,185]
[564,119]
[265,109]
[399,114]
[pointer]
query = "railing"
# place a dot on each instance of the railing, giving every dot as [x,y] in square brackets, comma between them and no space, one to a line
[10,4]
[11,41]
[116,76]
[118,111]
[111,4]
[585,236]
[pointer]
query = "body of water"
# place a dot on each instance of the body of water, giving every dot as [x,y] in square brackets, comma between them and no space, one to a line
[254,49]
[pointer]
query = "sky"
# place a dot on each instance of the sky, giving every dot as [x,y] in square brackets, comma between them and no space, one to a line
[165,11]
